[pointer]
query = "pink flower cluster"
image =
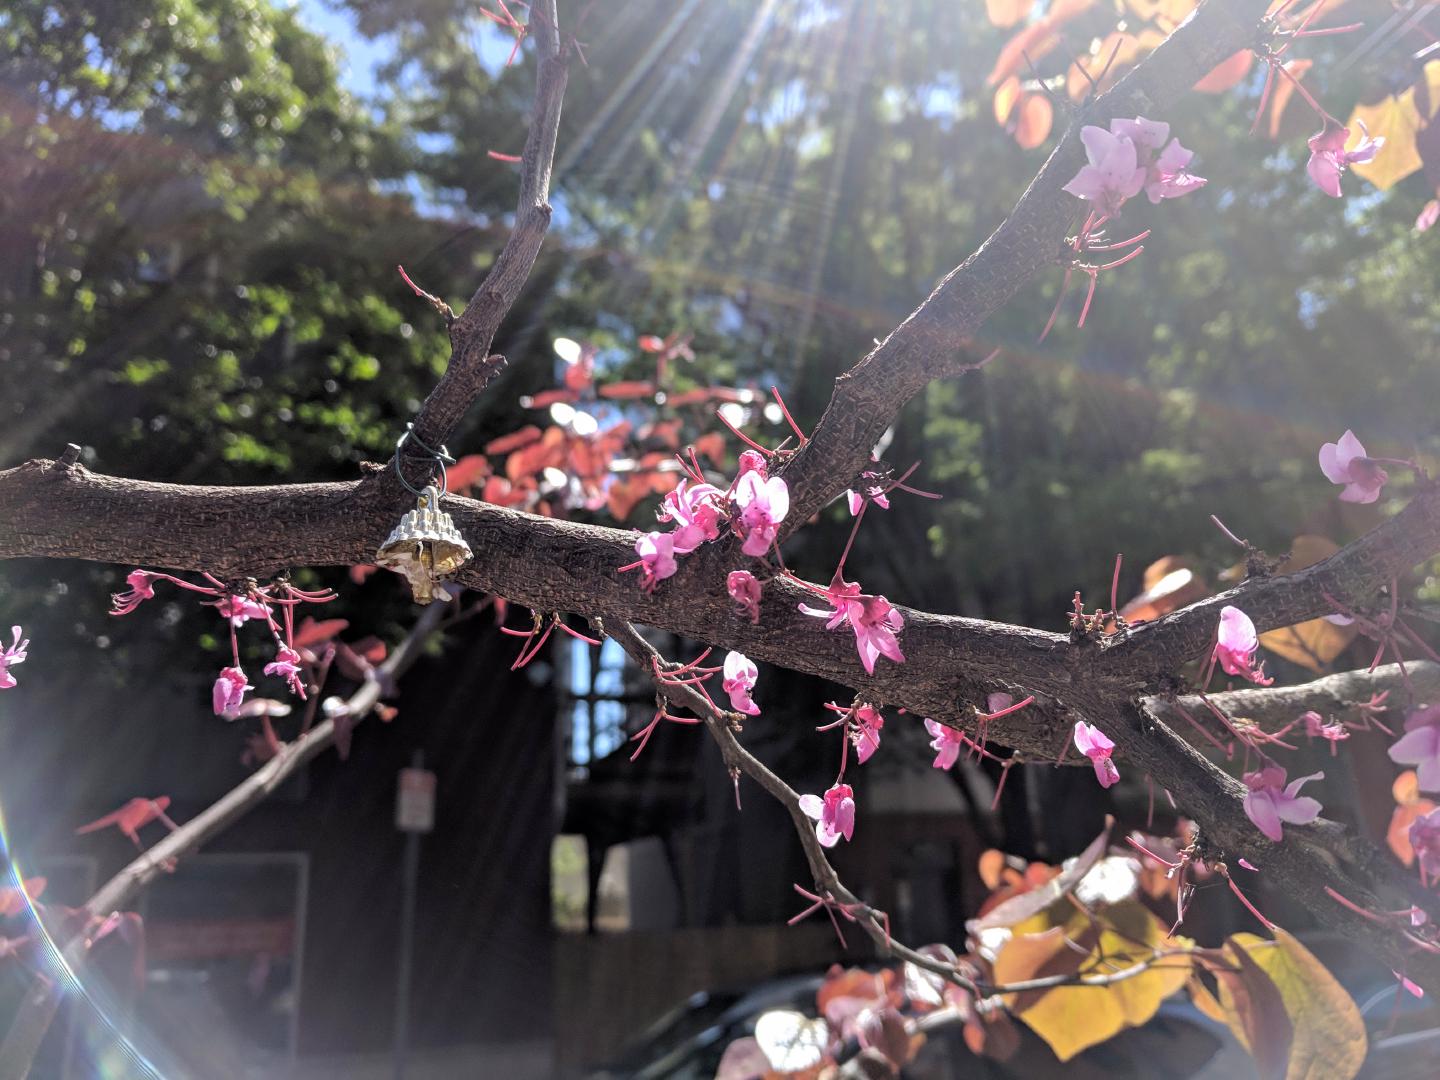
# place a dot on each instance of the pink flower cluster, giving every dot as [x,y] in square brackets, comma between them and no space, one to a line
[1271,802]
[1236,645]
[754,507]
[947,744]
[1425,840]
[1345,462]
[11,655]
[834,815]
[228,693]
[1329,158]
[1420,746]
[1097,746]
[873,618]
[739,674]
[1132,156]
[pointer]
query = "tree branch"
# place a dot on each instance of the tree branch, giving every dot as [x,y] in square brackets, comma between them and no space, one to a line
[471,335]
[1353,575]
[37,1010]
[1341,696]
[931,343]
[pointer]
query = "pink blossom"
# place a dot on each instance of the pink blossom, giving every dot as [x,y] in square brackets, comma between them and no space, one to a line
[1270,802]
[834,816]
[1113,174]
[763,505]
[875,626]
[13,654]
[752,461]
[696,511]
[1420,746]
[287,665]
[1329,158]
[855,499]
[229,691]
[1344,462]
[873,618]
[1429,215]
[239,609]
[870,490]
[1317,728]
[946,742]
[1409,987]
[739,677]
[744,589]
[1425,839]
[1096,745]
[1164,165]
[657,558]
[865,733]
[842,595]
[140,590]
[1237,645]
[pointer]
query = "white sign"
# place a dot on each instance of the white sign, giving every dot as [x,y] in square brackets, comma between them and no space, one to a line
[415,801]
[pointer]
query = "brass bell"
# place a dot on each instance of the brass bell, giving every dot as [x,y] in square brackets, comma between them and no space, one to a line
[425,547]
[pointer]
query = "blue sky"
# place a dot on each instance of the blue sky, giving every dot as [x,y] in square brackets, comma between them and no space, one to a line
[360,55]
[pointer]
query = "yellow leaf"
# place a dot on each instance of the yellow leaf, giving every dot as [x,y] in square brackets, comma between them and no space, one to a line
[1204,1000]
[1315,643]
[1074,1018]
[1006,95]
[1398,121]
[1429,101]
[1328,1035]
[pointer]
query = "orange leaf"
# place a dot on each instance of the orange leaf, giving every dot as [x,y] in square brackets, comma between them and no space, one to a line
[1170,13]
[514,441]
[627,390]
[467,472]
[1406,788]
[1397,836]
[549,397]
[311,632]
[1019,908]
[1035,41]
[12,897]
[992,866]
[855,983]
[1170,584]
[1110,58]
[711,445]
[1227,74]
[1036,115]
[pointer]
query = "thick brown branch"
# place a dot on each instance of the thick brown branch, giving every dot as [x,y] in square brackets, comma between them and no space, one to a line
[933,340]
[1336,697]
[1353,575]
[545,564]
[1310,858]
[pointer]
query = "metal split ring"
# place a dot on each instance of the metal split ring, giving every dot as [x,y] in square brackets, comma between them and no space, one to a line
[440,457]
